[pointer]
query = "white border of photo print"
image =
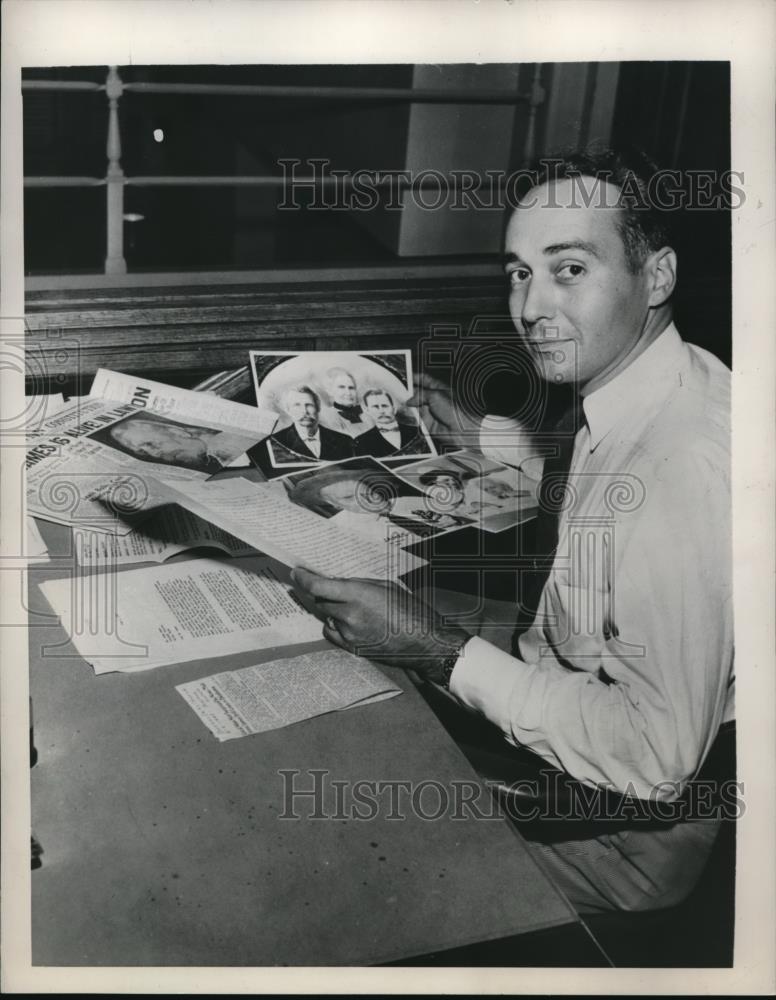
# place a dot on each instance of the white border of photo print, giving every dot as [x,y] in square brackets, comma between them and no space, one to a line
[388,371]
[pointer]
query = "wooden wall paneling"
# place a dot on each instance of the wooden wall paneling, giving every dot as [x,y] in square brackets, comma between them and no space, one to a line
[192,333]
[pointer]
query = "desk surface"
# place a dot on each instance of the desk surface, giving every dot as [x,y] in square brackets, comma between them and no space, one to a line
[164,847]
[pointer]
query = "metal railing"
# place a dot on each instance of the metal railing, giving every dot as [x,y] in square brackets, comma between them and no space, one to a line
[115,179]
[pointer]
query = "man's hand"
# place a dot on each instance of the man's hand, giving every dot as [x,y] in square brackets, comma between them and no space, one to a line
[380,621]
[449,423]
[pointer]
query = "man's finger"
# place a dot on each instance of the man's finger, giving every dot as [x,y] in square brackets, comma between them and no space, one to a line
[425,386]
[322,587]
[334,636]
[422,397]
[423,380]
[336,610]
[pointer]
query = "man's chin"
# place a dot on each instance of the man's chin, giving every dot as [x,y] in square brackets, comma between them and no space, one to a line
[549,371]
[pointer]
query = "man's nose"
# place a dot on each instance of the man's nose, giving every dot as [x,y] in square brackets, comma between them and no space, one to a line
[538,303]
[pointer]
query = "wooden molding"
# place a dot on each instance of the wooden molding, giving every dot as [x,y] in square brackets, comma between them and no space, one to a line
[187,333]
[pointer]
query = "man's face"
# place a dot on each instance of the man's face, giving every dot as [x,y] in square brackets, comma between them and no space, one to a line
[343,390]
[302,409]
[381,410]
[572,297]
[353,495]
[166,443]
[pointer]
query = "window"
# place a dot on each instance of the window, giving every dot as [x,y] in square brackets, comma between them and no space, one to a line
[208,165]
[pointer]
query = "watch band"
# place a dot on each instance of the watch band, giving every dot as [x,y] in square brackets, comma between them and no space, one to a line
[449,662]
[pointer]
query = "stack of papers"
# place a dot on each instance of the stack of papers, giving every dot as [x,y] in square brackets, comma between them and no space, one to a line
[95,462]
[160,615]
[263,516]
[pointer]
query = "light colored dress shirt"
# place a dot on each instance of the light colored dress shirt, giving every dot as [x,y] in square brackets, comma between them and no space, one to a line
[627,671]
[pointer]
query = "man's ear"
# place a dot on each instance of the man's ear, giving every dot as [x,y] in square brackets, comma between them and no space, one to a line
[661,268]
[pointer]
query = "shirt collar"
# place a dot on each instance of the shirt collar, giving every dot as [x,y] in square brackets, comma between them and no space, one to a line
[645,381]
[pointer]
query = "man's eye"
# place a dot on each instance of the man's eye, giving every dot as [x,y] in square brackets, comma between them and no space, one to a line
[519,275]
[568,272]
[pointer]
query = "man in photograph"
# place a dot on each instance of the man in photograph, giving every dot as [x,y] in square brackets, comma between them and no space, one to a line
[306,439]
[389,437]
[364,508]
[344,414]
[624,676]
[201,449]
[449,493]
[368,503]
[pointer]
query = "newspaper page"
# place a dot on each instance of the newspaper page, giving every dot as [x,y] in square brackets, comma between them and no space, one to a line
[272,695]
[179,404]
[191,610]
[168,531]
[97,462]
[265,518]
[39,408]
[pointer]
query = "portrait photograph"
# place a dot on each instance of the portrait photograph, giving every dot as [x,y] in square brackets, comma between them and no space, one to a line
[339,404]
[495,496]
[367,498]
[160,441]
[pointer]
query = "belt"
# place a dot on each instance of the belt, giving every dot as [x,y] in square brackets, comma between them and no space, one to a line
[573,811]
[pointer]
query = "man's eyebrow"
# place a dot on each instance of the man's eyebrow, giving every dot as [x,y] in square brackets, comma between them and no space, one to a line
[590,248]
[554,248]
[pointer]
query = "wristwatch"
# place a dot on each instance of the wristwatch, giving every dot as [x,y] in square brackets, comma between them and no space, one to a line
[449,662]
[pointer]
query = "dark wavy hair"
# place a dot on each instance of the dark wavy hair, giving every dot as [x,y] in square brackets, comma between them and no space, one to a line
[643,226]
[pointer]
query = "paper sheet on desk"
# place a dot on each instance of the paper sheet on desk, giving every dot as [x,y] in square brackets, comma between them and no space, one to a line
[168,531]
[262,515]
[160,615]
[271,695]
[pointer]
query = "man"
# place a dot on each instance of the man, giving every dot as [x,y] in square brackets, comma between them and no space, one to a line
[448,493]
[305,439]
[625,675]
[201,449]
[364,507]
[345,414]
[388,437]
[366,502]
